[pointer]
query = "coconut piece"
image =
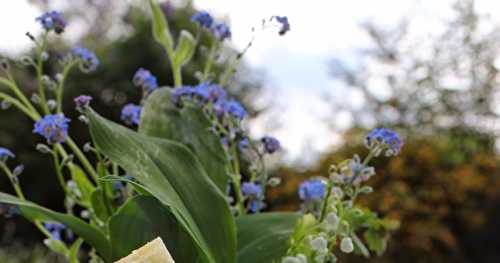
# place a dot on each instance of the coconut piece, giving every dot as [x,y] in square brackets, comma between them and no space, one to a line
[153,252]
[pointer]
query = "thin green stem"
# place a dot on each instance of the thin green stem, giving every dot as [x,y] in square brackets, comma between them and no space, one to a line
[228,74]
[371,154]
[19,105]
[60,87]
[176,70]
[85,162]
[11,83]
[19,193]
[236,179]
[39,73]
[326,201]
[210,61]
[58,167]
[102,171]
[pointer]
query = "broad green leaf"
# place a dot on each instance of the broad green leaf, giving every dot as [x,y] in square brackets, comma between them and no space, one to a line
[99,205]
[84,185]
[185,48]
[137,187]
[264,237]
[89,233]
[144,218]
[173,175]
[161,31]
[189,125]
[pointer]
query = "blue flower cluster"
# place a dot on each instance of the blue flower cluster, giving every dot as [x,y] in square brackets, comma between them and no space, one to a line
[251,190]
[5,154]
[211,93]
[144,79]
[285,25]
[131,114]
[52,20]
[53,127]
[387,137]
[55,230]
[271,144]
[220,31]
[203,18]
[88,59]
[312,190]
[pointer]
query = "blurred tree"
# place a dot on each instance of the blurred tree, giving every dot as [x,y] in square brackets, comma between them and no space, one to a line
[444,78]
[440,90]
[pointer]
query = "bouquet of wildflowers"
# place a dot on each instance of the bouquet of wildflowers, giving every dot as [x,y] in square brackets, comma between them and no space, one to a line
[176,171]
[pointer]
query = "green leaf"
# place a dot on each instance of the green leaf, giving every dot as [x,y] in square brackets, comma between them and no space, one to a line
[56,246]
[73,251]
[189,125]
[376,241]
[137,187]
[99,205]
[84,185]
[264,237]
[161,31]
[89,233]
[142,219]
[185,48]
[173,175]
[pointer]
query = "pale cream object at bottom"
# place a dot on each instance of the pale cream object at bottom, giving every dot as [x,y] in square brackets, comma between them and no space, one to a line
[153,252]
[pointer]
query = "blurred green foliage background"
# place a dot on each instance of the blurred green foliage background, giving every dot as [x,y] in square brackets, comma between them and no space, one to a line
[444,188]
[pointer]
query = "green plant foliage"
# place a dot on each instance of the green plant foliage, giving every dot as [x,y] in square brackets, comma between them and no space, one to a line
[190,126]
[144,218]
[185,48]
[264,237]
[89,233]
[161,30]
[98,205]
[176,178]
[137,186]
[84,185]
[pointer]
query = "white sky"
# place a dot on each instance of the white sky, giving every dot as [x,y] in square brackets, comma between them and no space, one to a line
[296,64]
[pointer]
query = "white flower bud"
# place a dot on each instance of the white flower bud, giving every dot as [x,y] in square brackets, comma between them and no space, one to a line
[51,104]
[18,170]
[320,258]
[319,244]
[35,99]
[5,105]
[274,181]
[45,56]
[332,220]
[302,258]
[85,214]
[290,260]
[346,245]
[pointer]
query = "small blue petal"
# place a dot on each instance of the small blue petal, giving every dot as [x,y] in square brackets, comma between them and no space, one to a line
[52,20]
[131,114]
[143,78]
[312,190]
[203,18]
[53,127]
[88,59]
